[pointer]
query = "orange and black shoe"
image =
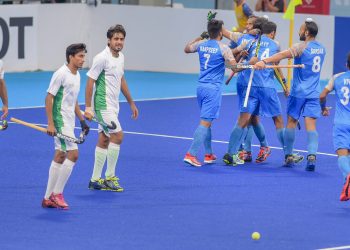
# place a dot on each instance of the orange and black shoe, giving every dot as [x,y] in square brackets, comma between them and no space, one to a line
[246,156]
[58,199]
[209,158]
[192,160]
[345,193]
[263,154]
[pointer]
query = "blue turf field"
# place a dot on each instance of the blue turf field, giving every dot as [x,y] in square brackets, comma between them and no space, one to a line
[166,204]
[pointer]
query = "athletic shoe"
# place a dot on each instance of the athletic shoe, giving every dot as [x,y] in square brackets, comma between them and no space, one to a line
[311,163]
[98,185]
[297,158]
[246,156]
[345,193]
[112,184]
[192,160]
[289,161]
[47,203]
[209,158]
[233,160]
[263,154]
[58,199]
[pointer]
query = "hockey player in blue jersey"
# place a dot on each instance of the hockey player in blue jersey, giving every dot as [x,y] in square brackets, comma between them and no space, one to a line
[213,56]
[340,83]
[305,90]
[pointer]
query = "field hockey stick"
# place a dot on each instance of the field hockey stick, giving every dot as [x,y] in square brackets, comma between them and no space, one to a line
[3,125]
[233,73]
[79,140]
[279,79]
[248,66]
[102,123]
[245,104]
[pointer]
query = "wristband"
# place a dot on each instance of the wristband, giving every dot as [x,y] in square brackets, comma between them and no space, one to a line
[323,105]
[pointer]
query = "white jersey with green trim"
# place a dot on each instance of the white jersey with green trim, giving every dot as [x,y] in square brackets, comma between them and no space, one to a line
[107,71]
[1,70]
[65,87]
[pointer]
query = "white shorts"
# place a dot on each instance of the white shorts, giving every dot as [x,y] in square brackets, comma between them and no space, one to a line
[107,116]
[63,145]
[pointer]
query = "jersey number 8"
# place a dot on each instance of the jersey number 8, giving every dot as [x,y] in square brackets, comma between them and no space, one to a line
[316,66]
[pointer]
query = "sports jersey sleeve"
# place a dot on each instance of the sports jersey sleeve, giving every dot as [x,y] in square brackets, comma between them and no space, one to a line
[55,83]
[1,70]
[98,65]
[226,53]
[330,85]
[297,49]
[235,36]
[194,46]
[247,10]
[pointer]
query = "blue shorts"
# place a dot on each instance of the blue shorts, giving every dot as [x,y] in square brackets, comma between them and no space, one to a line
[341,136]
[262,101]
[306,107]
[209,101]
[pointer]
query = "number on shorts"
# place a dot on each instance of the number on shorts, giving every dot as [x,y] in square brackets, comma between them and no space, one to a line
[316,66]
[345,91]
[206,61]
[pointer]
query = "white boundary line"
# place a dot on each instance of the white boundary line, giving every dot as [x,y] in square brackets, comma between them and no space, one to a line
[136,100]
[335,248]
[190,138]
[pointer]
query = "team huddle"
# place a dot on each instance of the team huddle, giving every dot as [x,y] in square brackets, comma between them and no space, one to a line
[257,94]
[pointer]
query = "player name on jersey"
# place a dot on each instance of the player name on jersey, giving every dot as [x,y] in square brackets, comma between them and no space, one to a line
[208,49]
[317,51]
[346,81]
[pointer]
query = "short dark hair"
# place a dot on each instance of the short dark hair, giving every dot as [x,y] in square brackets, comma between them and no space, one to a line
[269,27]
[259,23]
[116,29]
[348,62]
[74,49]
[312,28]
[214,28]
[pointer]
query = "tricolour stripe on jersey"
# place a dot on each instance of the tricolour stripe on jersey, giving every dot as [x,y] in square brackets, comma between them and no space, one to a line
[100,92]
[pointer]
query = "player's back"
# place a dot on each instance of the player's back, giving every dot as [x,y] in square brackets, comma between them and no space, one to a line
[242,77]
[212,62]
[306,81]
[341,83]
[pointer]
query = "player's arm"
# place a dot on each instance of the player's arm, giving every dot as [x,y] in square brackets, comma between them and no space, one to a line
[276,58]
[83,124]
[192,46]
[48,106]
[4,98]
[323,97]
[126,93]
[89,113]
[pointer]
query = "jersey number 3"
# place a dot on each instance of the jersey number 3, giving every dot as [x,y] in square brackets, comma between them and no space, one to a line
[345,91]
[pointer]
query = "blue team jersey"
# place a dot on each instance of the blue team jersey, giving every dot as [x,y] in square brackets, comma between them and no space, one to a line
[341,85]
[263,78]
[242,77]
[212,57]
[306,81]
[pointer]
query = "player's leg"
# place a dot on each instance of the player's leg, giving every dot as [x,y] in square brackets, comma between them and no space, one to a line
[112,180]
[294,109]
[209,157]
[341,142]
[311,112]
[209,101]
[54,173]
[245,150]
[259,131]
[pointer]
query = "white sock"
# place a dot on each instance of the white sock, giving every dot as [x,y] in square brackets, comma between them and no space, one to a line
[112,158]
[100,159]
[66,170]
[53,175]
